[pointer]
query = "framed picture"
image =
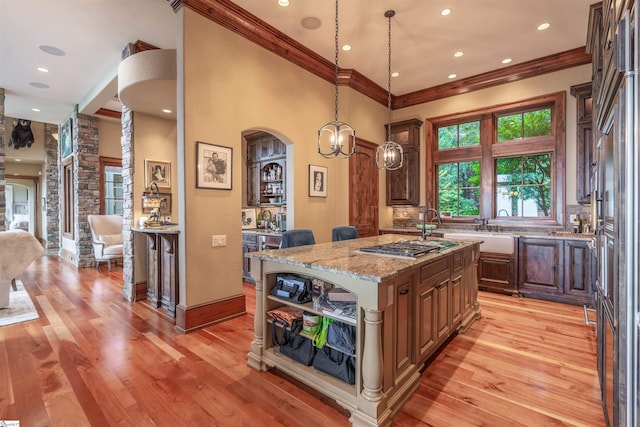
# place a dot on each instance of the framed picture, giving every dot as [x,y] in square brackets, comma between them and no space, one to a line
[248,218]
[66,139]
[158,171]
[317,181]
[165,203]
[213,166]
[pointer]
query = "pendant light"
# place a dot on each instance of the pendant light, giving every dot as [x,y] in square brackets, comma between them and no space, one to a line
[336,138]
[389,155]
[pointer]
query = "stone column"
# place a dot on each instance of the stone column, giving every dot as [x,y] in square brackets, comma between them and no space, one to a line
[86,183]
[128,170]
[52,188]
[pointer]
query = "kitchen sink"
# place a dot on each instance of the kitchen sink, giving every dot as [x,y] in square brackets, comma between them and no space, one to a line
[499,243]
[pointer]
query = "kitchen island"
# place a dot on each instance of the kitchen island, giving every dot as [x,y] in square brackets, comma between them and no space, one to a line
[406,308]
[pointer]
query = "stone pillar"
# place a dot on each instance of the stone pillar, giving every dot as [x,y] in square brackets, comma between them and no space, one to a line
[128,171]
[3,200]
[86,183]
[52,188]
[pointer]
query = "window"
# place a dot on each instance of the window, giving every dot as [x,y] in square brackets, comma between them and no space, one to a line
[503,162]
[67,200]
[459,185]
[111,194]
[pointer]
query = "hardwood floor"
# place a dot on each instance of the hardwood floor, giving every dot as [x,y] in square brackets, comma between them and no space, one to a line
[93,359]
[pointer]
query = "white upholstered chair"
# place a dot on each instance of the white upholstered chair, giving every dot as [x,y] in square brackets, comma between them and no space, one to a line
[106,232]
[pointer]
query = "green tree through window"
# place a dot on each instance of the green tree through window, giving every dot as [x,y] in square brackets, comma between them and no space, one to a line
[459,188]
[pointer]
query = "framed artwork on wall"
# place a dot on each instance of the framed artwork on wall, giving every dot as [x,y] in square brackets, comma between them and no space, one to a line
[66,139]
[248,218]
[158,171]
[213,166]
[317,181]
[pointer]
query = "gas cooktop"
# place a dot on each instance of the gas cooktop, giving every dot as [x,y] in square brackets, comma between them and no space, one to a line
[408,248]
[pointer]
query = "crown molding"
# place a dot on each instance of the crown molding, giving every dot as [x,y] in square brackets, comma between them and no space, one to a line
[240,21]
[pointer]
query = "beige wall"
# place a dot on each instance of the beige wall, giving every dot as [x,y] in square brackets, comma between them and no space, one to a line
[109,133]
[232,85]
[155,139]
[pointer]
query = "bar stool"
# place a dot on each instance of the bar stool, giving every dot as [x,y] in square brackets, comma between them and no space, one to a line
[300,237]
[344,232]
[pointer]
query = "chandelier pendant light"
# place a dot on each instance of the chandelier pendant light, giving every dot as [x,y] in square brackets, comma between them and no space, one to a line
[389,155]
[336,138]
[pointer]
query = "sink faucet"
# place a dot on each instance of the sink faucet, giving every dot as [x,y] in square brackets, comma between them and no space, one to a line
[424,221]
[506,213]
[483,223]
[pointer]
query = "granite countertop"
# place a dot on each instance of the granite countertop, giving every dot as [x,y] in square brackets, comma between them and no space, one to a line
[562,235]
[345,258]
[165,229]
[260,231]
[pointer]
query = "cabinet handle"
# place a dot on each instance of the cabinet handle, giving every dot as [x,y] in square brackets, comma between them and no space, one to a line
[588,321]
[404,292]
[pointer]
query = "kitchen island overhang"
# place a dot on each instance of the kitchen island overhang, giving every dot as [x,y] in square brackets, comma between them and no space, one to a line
[406,309]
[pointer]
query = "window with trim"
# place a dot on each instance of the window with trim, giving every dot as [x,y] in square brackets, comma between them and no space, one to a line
[67,200]
[111,194]
[504,162]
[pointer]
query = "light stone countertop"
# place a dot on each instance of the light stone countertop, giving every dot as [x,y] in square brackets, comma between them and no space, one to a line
[165,229]
[345,258]
[559,235]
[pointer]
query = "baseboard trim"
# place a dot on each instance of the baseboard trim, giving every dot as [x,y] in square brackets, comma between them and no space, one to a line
[191,318]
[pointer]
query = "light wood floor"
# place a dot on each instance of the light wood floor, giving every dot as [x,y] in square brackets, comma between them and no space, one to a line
[93,359]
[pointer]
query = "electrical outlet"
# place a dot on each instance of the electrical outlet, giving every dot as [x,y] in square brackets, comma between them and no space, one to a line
[218,240]
[420,216]
[572,218]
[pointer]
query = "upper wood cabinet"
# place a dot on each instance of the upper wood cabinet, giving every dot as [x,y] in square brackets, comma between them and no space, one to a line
[584,141]
[403,185]
[265,170]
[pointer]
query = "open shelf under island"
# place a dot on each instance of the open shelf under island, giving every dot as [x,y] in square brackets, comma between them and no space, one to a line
[406,308]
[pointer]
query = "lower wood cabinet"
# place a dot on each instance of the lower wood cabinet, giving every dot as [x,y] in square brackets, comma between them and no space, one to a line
[403,329]
[433,319]
[498,272]
[162,270]
[555,269]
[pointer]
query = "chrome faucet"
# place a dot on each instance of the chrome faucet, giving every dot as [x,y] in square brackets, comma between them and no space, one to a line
[437,214]
[505,212]
[424,221]
[483,223]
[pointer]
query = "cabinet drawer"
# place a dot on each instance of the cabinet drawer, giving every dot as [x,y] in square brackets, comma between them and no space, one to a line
[429,271]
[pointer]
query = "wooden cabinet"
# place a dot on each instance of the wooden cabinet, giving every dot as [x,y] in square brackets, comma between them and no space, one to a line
[266,170]
[403,185]
[584,141]
[498,272]
[162,269]
[433,320]
[249,244]
[457,279]
[555,269]
[403,346]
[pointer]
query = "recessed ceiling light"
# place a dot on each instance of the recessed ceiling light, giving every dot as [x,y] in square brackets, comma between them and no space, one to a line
[166,110]
[311,23]
[458,54]
[283,3]
[452,76]
[445,12]
[544,26]
[395,74]
[18,160]
[346,47]
[43,70]
[37,110]
[506,60]
[39,85]
[52,50]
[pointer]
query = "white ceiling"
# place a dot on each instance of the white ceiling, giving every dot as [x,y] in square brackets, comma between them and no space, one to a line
[93,34]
